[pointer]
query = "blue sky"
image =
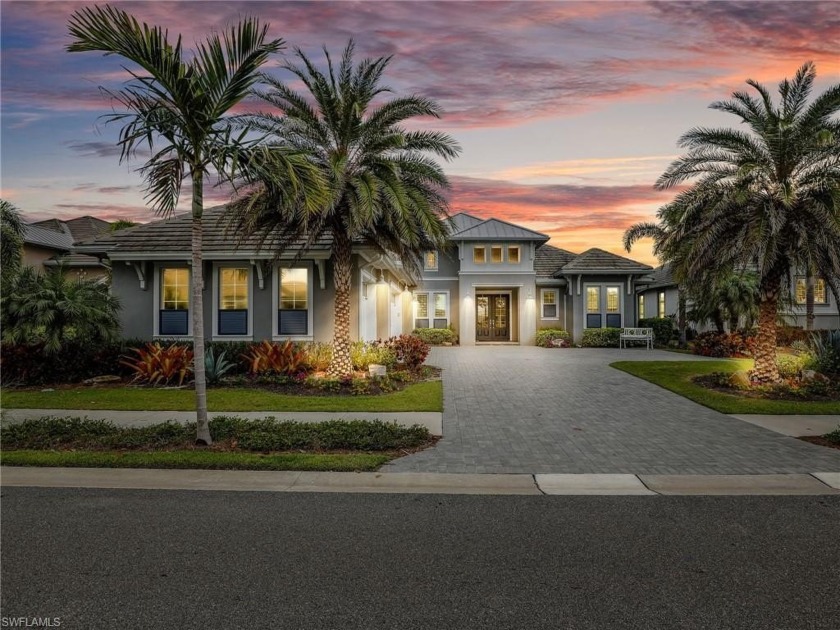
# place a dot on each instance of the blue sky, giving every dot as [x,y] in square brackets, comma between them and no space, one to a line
[566,112]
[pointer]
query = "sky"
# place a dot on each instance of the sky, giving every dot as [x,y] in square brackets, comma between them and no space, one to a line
[566,112]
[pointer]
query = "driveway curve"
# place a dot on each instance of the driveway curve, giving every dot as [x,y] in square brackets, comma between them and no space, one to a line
[520,409]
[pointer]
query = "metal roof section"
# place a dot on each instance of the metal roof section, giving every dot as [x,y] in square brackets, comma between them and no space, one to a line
[45,237]
[463,221]
[498,230]
[600,261]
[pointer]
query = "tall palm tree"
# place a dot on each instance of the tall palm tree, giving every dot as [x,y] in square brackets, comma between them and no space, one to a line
[386,190]
[766,198]
[178,105]
[11,240]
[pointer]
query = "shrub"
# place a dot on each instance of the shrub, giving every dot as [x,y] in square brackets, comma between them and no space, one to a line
[787,335]
[30,364]
[546,338]
[715,344]
[285,358]
[411,351]
[601,337]
[232,350]
[826,350]
[663,329]
[435,336]
[319,355]
[215,367]
[363,354]
[158,365]
[790,366]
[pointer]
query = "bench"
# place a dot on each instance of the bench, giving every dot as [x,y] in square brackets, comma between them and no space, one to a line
[636,334]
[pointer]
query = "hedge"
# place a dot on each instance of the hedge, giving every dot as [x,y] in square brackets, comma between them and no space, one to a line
[546,337]
[600,337]
[436,336]
[663,329]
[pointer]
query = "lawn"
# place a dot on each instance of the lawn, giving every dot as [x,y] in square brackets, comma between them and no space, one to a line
[425,396]
[213,460]
[676,376]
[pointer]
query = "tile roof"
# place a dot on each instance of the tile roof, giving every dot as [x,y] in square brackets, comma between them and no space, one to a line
[80,228]
[175,235]
[46,237]
[599,260]
[662,277]
[549,259]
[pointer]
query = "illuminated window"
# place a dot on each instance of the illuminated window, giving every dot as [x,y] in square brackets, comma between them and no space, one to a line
[479,255]
[441,305]
[173,317]
[820,295]
[549,304]
[293,303]
[430,261]
[593,299]
[660,306]
[496,254]
[513,254]
[431,310]
[233,289]
[422,306]
[612,299]
[641,307]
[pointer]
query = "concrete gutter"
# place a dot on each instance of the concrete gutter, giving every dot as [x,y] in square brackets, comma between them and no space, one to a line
[818,483]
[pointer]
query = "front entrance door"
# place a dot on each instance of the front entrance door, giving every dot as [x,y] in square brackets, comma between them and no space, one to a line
[492,317]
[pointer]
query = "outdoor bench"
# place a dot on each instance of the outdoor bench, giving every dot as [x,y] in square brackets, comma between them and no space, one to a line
[636,334]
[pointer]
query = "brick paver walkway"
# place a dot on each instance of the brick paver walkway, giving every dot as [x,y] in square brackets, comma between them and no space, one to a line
[511,409]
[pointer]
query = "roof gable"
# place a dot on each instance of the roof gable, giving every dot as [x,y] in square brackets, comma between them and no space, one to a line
[549,259]
[496,229]
[596,259]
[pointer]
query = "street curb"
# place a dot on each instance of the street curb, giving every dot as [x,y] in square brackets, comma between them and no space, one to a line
[817,483]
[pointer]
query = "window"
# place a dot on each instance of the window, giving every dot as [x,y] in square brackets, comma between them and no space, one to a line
[293,305]
[496,254]
[430,261]
[660,306]
[820,295]
[549,304]
[437,316]
[174,301]
[613,307]
[641,307]
[479,255]
[593,307]
[513,254]
[233,301]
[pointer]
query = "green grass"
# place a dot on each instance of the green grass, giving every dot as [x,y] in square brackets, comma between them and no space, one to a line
[676,376]
[425,396]
[213,460]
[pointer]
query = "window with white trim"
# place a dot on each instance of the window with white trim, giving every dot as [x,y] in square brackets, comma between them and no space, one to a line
[293,290]
[496,254]
[593,307]
[820,294]
[430,261]
[174,314]
[641,306]
[549,304]
[513,254]
[479,254]
[603,306]
[233,300]
[613,307]
[431,309]
[660,305]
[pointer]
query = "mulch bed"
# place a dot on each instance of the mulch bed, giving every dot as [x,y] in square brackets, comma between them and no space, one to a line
[779,392]
[821,441]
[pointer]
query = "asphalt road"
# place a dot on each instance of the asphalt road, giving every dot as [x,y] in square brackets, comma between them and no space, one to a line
[163,559]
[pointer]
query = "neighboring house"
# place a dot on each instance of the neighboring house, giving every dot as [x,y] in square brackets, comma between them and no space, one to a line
[658,298]
[49,243]
[495,283]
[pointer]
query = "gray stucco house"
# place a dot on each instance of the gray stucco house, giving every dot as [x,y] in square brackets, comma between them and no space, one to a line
[495,282]
[659,298]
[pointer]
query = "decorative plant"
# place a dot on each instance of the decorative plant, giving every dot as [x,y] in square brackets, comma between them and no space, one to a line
[157,365]
[411,351]
[215,367]
[553,338]
[363,354]
[826,351]
[284,358]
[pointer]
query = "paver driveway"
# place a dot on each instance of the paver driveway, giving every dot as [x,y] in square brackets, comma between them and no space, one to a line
[512,409]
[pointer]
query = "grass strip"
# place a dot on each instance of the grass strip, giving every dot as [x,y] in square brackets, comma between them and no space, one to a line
[676,376]
[193,459]
[425,396]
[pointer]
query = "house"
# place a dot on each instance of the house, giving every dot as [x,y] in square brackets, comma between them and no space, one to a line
[659,298]
[46,244]
[495,282]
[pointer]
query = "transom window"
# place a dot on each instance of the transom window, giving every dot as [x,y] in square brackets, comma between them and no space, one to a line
[513,254]
[496,254]
[479,255]
[820,294]
[430,261]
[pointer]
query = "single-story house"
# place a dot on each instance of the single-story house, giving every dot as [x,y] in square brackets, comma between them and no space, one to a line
[495,282]
[659,298]
[46,244]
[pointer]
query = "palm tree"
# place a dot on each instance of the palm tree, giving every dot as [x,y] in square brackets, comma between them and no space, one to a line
[729,297]
[179,108]
[52,308]
[767,198]
[11,240]
[385,189]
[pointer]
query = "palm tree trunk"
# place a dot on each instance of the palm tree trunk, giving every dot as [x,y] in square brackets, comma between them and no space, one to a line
[681,317]
[733,324]
[341,363]
[202,433]
[810,283]
[717,317]
[766,370]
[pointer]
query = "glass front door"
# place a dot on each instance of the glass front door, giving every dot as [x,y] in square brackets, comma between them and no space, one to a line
[492,317]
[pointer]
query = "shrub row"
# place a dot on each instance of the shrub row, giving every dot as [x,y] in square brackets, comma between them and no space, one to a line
[436,336]
[553,338]
[600,337]
[663,329]
[724,345]
[267,434]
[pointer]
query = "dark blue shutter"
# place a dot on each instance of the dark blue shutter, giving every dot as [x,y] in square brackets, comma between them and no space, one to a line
[174,322]
[613,320]
[293,321]
[233,321]
[593,320]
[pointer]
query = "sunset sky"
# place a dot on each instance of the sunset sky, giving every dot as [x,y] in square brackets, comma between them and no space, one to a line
[567,112]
